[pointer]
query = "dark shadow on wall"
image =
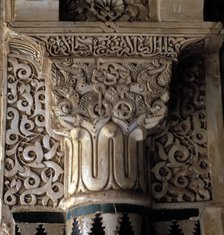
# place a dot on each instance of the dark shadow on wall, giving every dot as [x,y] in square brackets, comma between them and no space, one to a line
[214,10]
[222,75]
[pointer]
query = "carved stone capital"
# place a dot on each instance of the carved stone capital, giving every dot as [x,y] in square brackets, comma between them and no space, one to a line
[104,107]
[100,93]
[89,93]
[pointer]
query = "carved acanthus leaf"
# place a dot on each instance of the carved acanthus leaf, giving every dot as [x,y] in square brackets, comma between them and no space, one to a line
[129,92]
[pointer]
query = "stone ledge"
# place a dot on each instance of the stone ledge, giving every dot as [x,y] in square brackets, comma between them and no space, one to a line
[150,28]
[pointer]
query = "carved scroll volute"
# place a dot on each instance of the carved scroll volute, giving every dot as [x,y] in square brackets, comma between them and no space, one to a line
[104,109]
[33,161]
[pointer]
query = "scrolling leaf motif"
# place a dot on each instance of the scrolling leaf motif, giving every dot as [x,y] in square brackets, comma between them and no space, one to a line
[128,92]
[180,166]
[34,163]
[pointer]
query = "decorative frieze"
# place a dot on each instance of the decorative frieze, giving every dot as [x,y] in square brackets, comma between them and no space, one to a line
[182,227]
[175,221]
[38,228]
[143,46]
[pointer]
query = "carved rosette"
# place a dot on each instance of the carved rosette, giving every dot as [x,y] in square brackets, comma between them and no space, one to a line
[105,10]
[103,108]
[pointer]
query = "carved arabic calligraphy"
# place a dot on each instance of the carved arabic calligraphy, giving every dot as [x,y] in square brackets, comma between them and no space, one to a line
[120,46]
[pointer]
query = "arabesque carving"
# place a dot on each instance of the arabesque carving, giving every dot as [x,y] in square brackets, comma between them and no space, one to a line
[180,166]
[106,10]
[33,163]
[104,92]
[107,105]
[128,92]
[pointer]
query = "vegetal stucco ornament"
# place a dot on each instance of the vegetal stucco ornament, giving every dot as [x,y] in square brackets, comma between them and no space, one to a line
[107,105]
[105,10]
[180,166]
[127,92]
[33,162]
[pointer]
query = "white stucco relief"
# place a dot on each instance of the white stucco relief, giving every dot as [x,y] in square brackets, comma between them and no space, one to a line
[80,107]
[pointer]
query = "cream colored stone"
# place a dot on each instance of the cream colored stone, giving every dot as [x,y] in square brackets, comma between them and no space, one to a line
[29,229]
[212,221]
[32,10]
[180,10]
[38,41]
[111,222]
[215,127]
[105,112]
[54,229]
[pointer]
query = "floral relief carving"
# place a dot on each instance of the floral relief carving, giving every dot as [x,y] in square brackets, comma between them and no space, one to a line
[127,92]
[107,105]
[106,10]
[180,166]
[33,163]
[102,99]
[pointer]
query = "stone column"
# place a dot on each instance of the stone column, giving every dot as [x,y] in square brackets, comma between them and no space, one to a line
[104,99]
[103,108]
[106,89]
